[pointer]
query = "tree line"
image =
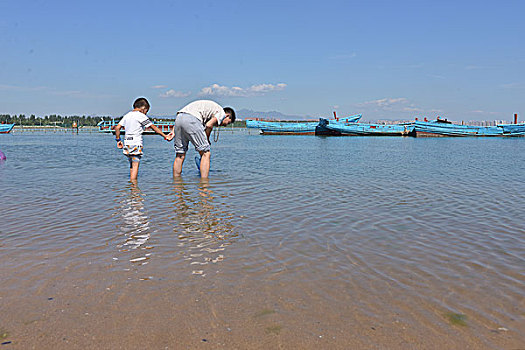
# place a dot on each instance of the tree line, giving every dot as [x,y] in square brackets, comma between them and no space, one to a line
[51,120]
[67,121]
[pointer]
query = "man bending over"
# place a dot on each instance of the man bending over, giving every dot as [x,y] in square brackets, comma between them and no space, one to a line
[194,124]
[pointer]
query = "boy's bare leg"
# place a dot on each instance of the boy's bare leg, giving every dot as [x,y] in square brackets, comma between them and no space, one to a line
[177,164]
[205,163]
[134,171]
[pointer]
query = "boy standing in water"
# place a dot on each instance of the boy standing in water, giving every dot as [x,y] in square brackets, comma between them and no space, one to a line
[194,123]
[134,123]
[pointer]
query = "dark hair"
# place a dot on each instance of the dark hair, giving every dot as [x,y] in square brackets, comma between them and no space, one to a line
[141,102]
[231,112]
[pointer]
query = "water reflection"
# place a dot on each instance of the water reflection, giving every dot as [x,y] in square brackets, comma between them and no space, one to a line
[135,227]
[203,224]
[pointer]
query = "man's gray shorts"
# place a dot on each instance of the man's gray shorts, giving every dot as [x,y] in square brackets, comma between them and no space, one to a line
[189,128]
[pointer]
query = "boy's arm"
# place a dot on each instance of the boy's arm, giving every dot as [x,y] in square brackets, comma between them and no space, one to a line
[117,136]
[158,131]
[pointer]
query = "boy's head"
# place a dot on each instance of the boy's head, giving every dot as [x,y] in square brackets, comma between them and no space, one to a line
[230,116]
[141,104]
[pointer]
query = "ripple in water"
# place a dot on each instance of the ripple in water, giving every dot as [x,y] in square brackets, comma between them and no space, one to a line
[401,234]
[203,228]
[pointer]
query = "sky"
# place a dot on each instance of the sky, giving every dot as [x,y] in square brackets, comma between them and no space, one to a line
[462,60]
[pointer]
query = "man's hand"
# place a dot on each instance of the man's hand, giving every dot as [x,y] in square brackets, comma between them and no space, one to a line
[170,136]
[120,145]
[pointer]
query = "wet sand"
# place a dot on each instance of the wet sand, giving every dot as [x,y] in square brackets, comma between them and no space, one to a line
[97,308]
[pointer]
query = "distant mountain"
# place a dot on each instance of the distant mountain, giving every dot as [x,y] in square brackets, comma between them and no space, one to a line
[249,114]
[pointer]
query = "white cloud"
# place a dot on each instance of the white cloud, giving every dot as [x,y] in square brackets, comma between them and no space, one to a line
[512,86]
[484,112]
[436,76]
[473,67]
[391,106]
[344,56]
[412,109]
[67,93]
[52,91]
[23,88]
[159,87]
[384,103]
[416,65]
[263,88]
[235,91]
[217,90]
[174,94]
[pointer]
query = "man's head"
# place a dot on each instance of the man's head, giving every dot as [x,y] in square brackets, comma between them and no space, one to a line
[141,104]
[230,116]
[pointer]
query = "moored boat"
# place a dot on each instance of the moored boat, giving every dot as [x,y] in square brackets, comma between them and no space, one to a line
[283,128]
[441,128]
[368,129]
[6,128]
[295,127]
[513,129]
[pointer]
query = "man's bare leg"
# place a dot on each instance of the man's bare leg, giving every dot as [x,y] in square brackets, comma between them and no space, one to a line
[177,164]
[205,164]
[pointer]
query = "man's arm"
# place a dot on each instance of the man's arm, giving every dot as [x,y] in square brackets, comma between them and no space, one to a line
[209,127]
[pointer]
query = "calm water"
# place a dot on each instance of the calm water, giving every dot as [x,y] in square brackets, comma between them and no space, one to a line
[294,241]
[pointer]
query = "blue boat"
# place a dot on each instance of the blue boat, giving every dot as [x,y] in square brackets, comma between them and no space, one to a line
[441,127]
[445,128]
[108,126]
[281,128]
[513,129]
[6,128]
[367,129]
[295,127]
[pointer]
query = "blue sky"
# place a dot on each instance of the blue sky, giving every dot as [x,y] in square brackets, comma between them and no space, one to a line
[464,60]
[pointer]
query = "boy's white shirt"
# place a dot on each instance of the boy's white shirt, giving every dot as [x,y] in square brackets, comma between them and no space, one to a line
[205,110]
[134,123]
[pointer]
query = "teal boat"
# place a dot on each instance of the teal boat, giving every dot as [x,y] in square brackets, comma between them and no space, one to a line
[367,129]
[442,127]
[6,128]
[296,127]
[283,128]
[445,128]
[513,129]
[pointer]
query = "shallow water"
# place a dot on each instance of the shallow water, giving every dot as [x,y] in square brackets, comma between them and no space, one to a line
[379,242]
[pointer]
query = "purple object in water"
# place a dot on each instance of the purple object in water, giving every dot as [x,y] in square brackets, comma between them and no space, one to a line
[2,156]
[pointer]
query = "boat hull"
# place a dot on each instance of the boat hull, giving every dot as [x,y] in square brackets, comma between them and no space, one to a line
[366,129]
[285,128]
[432,129]
[513,129]
[437,129]
[6,128]
[294,128]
